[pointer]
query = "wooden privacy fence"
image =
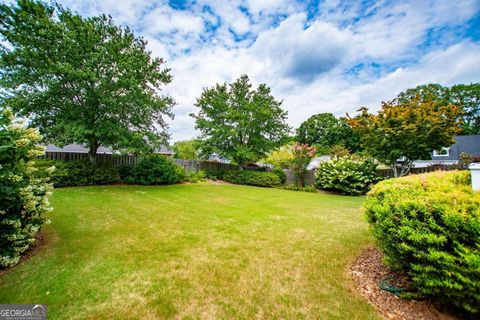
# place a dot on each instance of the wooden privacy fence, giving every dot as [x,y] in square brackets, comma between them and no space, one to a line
[309,177]
[112,159]
[217,167]
[388,173]
[210,166]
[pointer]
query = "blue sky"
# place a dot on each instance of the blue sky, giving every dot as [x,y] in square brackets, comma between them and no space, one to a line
[318,56]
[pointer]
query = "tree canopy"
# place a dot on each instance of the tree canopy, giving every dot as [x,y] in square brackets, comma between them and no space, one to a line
[466,96]
[186,149]
[406,130]
[325,131]
[81,80]
[240,123]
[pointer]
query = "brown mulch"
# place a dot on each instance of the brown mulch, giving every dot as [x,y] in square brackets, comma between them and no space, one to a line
[367,272]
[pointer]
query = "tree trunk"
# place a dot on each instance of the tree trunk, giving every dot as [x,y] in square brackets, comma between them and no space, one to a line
[92,151]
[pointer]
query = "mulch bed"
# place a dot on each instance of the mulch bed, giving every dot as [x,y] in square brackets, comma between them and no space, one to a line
[367,272]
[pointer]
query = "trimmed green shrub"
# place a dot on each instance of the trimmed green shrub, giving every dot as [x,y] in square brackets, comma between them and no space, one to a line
[194,177]
[281,174]
[78,173]
[293,187]
[347,175]
[24,194]
[155,169]
[214,175]
[429,228]
[252,178]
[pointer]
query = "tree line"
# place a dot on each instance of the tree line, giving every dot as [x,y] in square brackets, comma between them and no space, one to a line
[91,82]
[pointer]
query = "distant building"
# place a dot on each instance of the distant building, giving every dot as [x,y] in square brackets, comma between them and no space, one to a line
[315,162]
[451,155]
[76,148]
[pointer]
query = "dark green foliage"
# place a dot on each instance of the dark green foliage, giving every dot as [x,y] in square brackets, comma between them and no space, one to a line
[240,123]
[214,174]
[81,80]
[281,174]
[154,170]
[466,96]
[429,228]
[124,171]
[252,178]
[325,131]
[348,175]
[23,193]
[78,173]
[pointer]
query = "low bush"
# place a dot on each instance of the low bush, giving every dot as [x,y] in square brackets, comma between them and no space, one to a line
[428,226]
[194,177]
[252,178]
[292,187]
[78,173]
[214,175]
[347,175]
[23,193]
[154,170]
[281,174]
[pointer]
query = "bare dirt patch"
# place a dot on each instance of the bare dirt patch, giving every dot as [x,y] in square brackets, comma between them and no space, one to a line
[367,272]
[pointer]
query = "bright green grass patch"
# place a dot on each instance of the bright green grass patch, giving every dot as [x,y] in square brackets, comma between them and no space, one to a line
[195,251]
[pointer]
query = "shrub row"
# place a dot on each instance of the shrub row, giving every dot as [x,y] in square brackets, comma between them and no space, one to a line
[151,170]
[429,228]
[347,175]
[79,173]
[252,178]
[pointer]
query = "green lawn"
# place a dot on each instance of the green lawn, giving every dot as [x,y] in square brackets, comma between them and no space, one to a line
[198,251]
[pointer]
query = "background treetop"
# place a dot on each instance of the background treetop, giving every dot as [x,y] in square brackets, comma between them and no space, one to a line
[406,130]
[466,96]
[81,80]
[325,131]
[240,123]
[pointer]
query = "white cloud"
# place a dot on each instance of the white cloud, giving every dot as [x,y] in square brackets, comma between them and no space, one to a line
[308,63]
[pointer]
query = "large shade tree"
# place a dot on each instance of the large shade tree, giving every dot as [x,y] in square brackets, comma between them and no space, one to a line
[405,131]
[325,131]
[81,80]
[240,123]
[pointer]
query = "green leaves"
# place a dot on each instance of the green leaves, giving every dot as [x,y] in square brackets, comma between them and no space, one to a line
[23,193]
[348,175]
[429,228]
[240,123]
[82,80]
[325,131]
[252,178]
[406,128]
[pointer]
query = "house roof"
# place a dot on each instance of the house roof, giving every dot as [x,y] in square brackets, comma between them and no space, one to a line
[468,144]
[76,148]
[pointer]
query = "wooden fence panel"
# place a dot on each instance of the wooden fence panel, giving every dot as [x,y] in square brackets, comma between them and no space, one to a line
[388,173]
[309,177]
[217,167]
[111,159]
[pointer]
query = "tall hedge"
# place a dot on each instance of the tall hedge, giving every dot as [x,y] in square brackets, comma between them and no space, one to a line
[78,173]
[23,194]
[429,227]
